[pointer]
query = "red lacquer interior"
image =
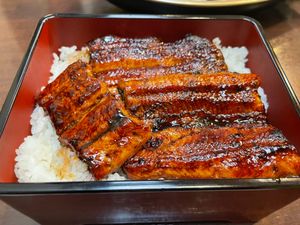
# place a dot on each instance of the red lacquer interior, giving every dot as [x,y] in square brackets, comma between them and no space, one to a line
[58,32]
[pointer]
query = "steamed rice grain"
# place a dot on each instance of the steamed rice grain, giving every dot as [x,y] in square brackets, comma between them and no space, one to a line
[41,158]
[235,57]
[68,55]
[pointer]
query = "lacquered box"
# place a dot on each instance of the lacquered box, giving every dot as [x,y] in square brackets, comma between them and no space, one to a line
[215,200]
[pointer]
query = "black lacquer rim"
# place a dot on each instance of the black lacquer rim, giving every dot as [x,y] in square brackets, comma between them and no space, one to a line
[129,186]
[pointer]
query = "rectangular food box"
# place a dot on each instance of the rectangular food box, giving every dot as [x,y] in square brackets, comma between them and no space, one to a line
[208,200]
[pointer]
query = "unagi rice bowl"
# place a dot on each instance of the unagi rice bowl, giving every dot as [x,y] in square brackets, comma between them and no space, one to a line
[54,162]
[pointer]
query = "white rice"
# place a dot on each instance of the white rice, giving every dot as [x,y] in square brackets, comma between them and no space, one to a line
[263,98]
[41,157]
[68,55]
[235,57]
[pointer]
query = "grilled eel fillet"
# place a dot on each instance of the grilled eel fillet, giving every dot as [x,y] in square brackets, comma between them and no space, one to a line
[71,95]
[107,136]
[223,152]
[115,58]
[113,77]
[91,120]
[190,100]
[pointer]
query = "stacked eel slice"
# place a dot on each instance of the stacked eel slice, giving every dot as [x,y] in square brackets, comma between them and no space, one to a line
[92,120]
[119,59]
[165,110]
[194,100]
[248,151]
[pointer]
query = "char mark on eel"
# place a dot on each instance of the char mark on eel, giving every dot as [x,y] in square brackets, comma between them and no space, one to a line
[192,100]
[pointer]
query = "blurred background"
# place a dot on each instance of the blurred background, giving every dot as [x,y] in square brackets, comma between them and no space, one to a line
[280,20]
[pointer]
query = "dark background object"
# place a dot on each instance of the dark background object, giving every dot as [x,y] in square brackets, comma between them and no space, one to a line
[173,7]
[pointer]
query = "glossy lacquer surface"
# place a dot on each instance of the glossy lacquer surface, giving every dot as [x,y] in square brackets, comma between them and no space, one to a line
[82,29]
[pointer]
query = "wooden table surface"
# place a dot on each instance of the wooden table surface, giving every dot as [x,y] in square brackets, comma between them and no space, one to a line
[18,19]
